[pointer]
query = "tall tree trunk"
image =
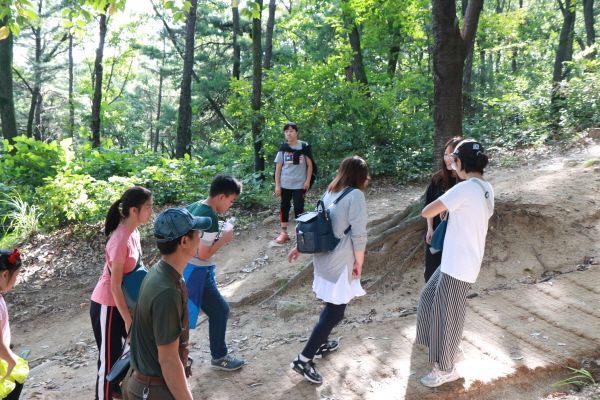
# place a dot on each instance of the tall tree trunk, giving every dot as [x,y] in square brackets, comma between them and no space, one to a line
[269,36]
[36,78]
[588,15]
[184,132]
[71,86]
[257,120]
[354,37]
[393,61]
[564,53]
[468,71]
[237,55]
[98,71]
[451,46]
[7,105]
[160,89]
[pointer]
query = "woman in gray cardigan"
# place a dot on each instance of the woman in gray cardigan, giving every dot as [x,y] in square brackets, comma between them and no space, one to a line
[337,273]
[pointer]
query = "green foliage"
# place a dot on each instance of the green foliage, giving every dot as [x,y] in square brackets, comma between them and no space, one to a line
[23,217]
[31,162]
[583,378]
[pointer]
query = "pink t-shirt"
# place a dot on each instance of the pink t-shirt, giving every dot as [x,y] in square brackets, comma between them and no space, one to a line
[4,322]
[123,247]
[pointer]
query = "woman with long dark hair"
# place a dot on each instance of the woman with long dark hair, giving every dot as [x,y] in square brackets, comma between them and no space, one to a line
[442,181]
[111,318]
[337,273]
[442,304]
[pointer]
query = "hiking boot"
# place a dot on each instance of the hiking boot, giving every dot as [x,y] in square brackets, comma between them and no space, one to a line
[307,370]
[460,356]
[325,348]
[438,377]
[283,237]
[227,363]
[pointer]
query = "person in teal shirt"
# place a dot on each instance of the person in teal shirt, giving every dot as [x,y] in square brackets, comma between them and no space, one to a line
[199,273]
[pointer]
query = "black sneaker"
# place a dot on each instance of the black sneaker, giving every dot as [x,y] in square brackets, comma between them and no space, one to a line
[307,370]
[325,348]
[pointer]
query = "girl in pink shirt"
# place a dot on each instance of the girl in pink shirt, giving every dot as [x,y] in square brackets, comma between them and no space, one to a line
[10,266]
[111,318]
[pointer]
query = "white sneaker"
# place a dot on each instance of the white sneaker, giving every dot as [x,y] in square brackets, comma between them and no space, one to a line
[460,356]
[438,377]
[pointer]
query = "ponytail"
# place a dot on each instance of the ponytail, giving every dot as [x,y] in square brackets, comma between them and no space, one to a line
[135,196]
[10,260]
[113,217]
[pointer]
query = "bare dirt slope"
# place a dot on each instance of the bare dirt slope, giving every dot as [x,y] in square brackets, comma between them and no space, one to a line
[535,307]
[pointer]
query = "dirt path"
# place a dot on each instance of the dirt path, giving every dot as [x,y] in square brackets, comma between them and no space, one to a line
[520,333]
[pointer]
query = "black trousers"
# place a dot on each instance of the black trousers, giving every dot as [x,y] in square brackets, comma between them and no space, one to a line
[14,395]
[286,202]
[331,315]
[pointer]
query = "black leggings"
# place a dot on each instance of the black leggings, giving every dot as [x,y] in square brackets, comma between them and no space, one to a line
[14,395]
[286,202]
[331,315]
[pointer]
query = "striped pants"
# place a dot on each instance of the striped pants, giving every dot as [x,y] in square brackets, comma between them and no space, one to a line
[110,333]
[441,317]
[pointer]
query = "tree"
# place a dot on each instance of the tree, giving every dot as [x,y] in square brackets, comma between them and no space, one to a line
[257,120]
[564,54]
[7,105]
[451,46]
[269,35]
[358,66]
[588,15]
[235,15]
[97,83]
[184,133]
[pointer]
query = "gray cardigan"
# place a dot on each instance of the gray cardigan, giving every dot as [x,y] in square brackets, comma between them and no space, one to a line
[351,210]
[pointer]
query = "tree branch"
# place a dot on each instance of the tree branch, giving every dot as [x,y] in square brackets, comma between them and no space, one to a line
[124,83]
[469,28]
[24,81]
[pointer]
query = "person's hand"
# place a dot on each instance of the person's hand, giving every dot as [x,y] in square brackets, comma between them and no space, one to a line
[293,255]
[11,361]
[443,214]
[278,191]
[356,270]
[306,185]
[429,235]
[227,236]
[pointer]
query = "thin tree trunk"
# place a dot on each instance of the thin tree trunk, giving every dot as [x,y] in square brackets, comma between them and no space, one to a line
[71,86]
[588,15]
[39,126]
[451,46]
[184,132]
[257,121]
[269,36]
[98,71]
[36,79]
[159,105]
[564,53]
[7,105]
[237,55]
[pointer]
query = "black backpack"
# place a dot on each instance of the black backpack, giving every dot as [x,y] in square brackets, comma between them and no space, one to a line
[314,231]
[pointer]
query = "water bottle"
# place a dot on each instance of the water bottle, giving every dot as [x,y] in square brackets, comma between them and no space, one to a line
[229,224]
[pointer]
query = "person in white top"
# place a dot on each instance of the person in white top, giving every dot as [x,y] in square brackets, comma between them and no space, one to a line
[442,304]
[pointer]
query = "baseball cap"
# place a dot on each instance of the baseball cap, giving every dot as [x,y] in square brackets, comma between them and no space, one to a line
[176,222]
[468,149]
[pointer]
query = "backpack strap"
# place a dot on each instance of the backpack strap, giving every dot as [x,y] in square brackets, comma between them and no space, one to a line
[341,196]
[485,193]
